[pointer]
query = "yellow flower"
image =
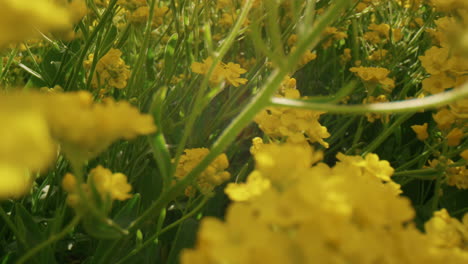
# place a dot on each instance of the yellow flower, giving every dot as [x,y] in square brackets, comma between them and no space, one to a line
[255,185]
[454,137]
[211,177]
[346,56]
[141,14]
[437,83]
[111,70]
[230,72]
[444,119]
[85,129]
[297,125]
[375,75]
[444,231]
[378,33]
[421,131]
[26,145]
[114,185]
[22,19]
[15,181]
[331,34]
[436,60]
[378,55]
[109,186]
[464,154]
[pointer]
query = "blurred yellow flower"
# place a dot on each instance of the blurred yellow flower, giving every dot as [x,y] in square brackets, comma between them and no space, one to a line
[375,75]
[111,70]
[110,184]
[84,128]
[454,137]
[22,19]
[222,72]
[421,131]
[211,177]
[26,145]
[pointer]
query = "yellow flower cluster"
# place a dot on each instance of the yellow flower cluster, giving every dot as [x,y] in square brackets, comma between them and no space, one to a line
[111,70]
[211,177]
[222,72]
[298,125]
[349,213]
[421,131]
[23,19]
[83,129]
[448,232]
[331,34]
[109,186]
[380,33]
[455,176]
[26,145]
[375,75]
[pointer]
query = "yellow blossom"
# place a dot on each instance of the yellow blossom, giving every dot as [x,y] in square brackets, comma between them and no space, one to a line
[421,131]
[464,154]
[444,119]
[211,177]
[111,70]
[436,60]
[454,137]
[22,19]
[346,56]
[26,147]
[85,129]
[318,216]
[375,75]
[229,72]
[255,185]
[141,14]
[444,230]
[110,184]
[332,34]
[299,126]
[378,55]
[437,83]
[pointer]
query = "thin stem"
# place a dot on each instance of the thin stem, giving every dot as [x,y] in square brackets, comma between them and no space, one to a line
[144,48]
[50,240]
[406,106]
[385,134]
[12,227]
[150,240]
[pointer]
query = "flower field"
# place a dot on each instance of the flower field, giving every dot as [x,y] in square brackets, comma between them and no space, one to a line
[234,131]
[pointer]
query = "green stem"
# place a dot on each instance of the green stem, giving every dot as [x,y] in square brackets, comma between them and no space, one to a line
[50,240]
[385,134]
[144,48]
[150,240]
[411,173]
[406,106]
[436,198]
[12,226]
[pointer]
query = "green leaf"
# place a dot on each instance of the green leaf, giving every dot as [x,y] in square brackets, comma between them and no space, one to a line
[185,238]
[29,229]
[129,211]
[169,62]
